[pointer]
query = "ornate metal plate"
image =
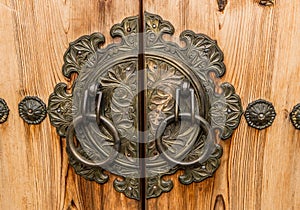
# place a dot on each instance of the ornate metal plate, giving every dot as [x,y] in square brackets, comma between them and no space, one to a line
[183,109]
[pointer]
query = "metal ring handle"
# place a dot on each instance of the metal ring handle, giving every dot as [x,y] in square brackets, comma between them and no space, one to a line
[209,144]
[78,156]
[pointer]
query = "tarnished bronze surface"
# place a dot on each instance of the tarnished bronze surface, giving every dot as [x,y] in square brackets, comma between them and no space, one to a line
[183,109]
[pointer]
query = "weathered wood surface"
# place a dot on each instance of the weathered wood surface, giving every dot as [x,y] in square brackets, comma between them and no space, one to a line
[33,163]
[259,169]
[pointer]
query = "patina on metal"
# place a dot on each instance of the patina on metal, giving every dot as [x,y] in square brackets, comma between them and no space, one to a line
[32,110]
[4,111]
[295,116]
[260,114]
[183,109]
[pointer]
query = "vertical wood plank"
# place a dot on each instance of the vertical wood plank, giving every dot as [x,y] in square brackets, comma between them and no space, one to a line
[33,164]
[259,169]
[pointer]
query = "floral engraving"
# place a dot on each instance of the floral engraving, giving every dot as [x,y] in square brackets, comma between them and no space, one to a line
[128,186]
[198,173]
[163,79]
[157,185]
[80,51]
[126,27]
[32,110]
[260,114]
[60,109]
[203,53]
[90,173]
[119,90]
[156,24]
[167,64]
[226,111]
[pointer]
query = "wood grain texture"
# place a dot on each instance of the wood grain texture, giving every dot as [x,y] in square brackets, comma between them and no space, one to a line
[34,167]
[259,169]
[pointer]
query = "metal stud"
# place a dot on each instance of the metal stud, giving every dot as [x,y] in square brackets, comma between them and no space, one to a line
[295,116]
[260,114]
[4,111]
[32,110]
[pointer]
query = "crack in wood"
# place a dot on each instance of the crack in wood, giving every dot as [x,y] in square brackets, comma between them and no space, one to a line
[219,203]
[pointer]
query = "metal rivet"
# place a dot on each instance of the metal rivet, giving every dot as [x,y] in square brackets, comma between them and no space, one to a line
[260,114]
[295,116]
[32,110]
[4,111]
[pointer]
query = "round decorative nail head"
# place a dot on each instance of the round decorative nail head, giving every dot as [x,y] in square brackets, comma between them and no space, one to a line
[260,114]
[32,110]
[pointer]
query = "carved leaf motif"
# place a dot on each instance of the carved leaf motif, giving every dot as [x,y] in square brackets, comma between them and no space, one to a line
[126,27]
[163,76]
[178,138]
[123,75]
[155,23]
[60,109]
[203,52]
[128,186]
[163,80]
[197,149]
[120,88]
[80,51]
[103,139]
[157,185]
[198,173]
[200,56]
[127,30]
[90,173]
[226,111]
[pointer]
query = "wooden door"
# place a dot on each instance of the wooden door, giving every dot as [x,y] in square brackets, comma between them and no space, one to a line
[259,169]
